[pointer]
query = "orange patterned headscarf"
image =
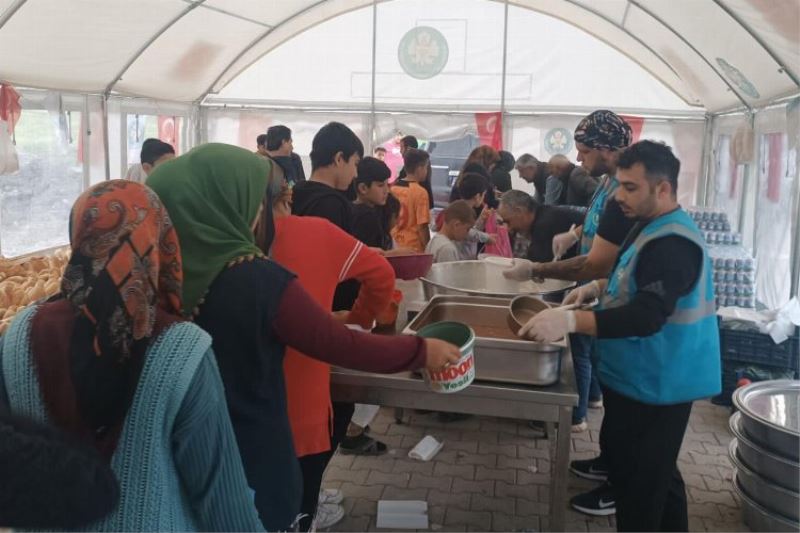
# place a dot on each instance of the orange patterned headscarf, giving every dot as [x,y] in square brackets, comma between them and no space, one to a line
[123,282]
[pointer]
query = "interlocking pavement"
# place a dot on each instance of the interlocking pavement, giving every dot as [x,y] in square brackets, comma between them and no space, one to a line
[492,475]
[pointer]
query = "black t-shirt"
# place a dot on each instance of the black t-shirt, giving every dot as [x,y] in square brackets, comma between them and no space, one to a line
[614,225]
[368,227]
[666,270]
[315,199]
[549,222]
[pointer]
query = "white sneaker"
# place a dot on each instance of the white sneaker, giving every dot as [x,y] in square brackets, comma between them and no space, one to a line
[330,496]
[328,514]
[596,404]
[580,427]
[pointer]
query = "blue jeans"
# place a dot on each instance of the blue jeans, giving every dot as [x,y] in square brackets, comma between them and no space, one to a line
[585,374]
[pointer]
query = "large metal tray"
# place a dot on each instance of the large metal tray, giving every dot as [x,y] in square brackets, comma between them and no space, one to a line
[500,355]
[771,415]
[772,497]
[483,278]
[758,518]
[777,469]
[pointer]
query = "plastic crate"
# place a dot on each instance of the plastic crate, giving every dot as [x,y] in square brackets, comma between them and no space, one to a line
[753,347]
[730,377]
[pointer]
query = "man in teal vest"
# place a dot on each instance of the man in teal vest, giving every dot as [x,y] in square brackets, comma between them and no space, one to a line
[658,343]
[600,138]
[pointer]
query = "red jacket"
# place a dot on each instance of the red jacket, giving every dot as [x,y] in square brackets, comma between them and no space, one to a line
[322,256]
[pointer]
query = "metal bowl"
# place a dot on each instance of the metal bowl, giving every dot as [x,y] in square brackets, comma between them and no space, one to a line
[771,415]
[774,498]
[758,518]
[773,467]
[482,278]
[522,309]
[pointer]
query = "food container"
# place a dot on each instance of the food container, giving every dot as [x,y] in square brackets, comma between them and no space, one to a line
[481,278]
[758,518]
[771,415]
[500,355]
[459,375]
[774,498]
[411,266]
[779,470]
[522,309]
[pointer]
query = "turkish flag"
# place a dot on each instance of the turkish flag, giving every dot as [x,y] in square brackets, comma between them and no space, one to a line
[168,130]
[490,129]
[636,124]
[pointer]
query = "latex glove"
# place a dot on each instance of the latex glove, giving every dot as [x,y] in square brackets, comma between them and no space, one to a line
[584,293]
[520,270]
[549,326]
[563,242]
[440,354]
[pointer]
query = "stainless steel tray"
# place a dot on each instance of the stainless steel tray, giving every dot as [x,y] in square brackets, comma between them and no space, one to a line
[772,497]
[781,471]
[482,278]
[771,415]
[499,354]
[758,518]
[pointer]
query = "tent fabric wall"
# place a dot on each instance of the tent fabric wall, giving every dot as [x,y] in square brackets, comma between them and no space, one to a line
[716,54]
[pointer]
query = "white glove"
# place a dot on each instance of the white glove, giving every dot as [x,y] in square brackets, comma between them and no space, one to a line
[584,293]
[549,325]
[563,242]
[520,270]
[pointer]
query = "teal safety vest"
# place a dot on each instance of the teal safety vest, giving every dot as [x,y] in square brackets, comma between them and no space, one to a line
[598,204]
[681,362]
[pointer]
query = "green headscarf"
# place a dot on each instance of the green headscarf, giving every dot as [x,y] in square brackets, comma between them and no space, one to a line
[212,194]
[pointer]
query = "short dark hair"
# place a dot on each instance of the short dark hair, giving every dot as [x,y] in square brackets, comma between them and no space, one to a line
[332,138]
[153,150]
[261,140]
[413,159]
[459,210]
[371,169]
[471,184]
[660,164]
[276,135]
[379,149]
[409,141]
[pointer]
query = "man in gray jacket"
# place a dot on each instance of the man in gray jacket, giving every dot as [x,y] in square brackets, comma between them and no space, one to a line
[568,184]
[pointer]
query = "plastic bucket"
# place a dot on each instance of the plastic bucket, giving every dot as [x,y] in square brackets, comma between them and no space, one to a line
[459,375]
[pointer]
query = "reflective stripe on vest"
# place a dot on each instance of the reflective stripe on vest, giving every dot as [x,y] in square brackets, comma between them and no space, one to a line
[596,207]
[681,362]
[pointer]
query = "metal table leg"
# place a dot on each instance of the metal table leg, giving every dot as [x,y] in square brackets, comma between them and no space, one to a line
[559,471]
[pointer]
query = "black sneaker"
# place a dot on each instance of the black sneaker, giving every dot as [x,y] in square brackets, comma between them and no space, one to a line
[598,502]
[594,469]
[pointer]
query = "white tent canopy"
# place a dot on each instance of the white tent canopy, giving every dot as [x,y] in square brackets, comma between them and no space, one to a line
[716,54]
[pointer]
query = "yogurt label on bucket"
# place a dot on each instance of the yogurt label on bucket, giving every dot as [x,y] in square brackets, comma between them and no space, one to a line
[454,377]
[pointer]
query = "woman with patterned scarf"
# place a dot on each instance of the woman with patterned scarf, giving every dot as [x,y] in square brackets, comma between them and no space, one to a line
[111,362]
[253,309]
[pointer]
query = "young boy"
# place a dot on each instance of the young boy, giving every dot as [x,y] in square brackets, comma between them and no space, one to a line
[412,227]
[459,217]
[372,190]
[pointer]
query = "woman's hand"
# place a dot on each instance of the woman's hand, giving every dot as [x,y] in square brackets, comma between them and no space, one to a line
[439,354]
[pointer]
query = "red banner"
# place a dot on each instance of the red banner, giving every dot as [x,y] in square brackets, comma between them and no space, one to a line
[490,129]
[636,124]
[168,131]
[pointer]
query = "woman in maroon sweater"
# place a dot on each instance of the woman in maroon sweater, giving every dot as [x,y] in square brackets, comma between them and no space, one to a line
[253,308]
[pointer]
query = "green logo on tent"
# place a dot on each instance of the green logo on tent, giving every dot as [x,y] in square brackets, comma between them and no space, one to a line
[558,141]
[736,76]
[423,52]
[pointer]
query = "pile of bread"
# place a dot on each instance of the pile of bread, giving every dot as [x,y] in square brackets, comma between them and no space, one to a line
[28,279]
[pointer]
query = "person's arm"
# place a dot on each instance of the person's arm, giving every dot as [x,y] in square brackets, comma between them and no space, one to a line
[207,456]
[423,216]
[305,326]
[376,277]
[553,190]
[666,270]
[596,264]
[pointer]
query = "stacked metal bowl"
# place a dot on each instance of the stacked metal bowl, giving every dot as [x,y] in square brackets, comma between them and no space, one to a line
[766,454]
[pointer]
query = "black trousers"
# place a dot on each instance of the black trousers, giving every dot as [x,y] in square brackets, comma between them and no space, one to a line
[641,448]
[313,466]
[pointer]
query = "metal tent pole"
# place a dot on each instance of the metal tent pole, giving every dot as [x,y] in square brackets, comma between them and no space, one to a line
[505,68]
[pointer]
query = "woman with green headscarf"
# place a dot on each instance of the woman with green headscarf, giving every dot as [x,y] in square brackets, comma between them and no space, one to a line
[254,308]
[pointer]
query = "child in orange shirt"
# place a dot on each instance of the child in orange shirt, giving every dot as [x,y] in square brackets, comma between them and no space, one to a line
[412,226]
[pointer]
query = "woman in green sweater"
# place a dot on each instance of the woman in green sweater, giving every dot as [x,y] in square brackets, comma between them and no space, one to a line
[111,362]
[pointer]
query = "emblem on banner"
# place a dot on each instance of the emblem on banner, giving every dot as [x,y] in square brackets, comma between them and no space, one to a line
[423,52]
[558,141]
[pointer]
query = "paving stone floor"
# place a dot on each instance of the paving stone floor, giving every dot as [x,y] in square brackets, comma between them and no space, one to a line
[492,475]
